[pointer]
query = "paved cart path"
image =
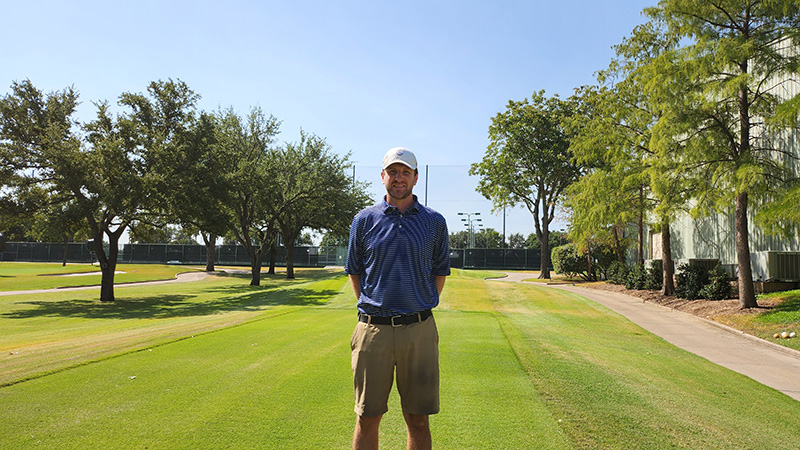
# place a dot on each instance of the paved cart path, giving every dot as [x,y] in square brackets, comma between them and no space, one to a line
[770,364]
[179,278]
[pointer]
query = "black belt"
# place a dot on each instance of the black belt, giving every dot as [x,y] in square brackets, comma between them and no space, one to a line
[395,321]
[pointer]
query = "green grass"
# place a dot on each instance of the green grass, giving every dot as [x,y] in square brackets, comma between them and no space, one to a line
[43,333]
[784,317]
[18,276]
[219,364]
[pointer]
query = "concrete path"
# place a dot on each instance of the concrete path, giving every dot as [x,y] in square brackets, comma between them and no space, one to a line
[770,364]
[179,278]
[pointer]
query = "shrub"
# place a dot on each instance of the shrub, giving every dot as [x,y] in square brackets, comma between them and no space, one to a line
[603,257]
[655,276]
[641,277]
[718,287]
[689,280]
[567,261]
[617,273]
[637,277]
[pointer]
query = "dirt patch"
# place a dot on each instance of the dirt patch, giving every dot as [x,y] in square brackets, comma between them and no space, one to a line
[703,308]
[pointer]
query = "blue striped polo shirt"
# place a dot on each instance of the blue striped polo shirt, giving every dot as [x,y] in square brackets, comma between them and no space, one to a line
[398,256]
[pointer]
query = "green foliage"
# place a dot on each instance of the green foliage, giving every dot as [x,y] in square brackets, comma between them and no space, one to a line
[690,280]
[603,256]
[516,241]
[567,261]
[488,238]
[715,90]
[782,216]
[528,160]
[641,277]
[637,277]
[617,272]
[556,238]
[313,190]
[718,287]
[459,239]
[655,279]
[332,239]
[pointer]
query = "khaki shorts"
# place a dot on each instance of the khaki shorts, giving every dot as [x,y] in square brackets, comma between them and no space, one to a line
[413,350]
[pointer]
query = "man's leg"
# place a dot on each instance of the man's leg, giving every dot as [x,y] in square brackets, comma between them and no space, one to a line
[419,431]
[365,437]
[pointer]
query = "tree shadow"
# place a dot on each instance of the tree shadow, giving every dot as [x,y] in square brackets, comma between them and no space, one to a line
[170,306]
[791,305]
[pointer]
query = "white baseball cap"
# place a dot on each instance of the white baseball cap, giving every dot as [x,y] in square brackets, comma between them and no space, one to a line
[400,155]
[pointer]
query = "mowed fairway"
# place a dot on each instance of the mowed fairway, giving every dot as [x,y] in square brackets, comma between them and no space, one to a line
[218,364]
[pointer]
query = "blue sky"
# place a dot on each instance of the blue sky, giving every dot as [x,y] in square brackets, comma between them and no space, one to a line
[366,75]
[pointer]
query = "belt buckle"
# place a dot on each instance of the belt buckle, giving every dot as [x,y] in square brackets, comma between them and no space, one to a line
[396,325]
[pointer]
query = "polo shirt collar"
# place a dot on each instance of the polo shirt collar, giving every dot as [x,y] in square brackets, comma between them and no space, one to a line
[389,209]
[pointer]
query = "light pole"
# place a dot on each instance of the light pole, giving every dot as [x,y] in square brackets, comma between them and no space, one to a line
[470,226]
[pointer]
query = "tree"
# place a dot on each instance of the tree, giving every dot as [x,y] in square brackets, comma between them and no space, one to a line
[248,187]
[631,172]
[782,216]
[105,174]
[125,169]
[735,56]
[313,191]
[516,241]
[557,238]
[459,239]
[610,141]
[144,233]
[60,223]
[41,145]
[333,239]
[488,238]
[36,129]
[528,161]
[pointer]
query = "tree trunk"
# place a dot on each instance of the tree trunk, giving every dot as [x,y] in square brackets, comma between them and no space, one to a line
[211,250]
[290,260]
[590,275]
[66,246]
[108,265]
[618,250]
[273,257]
[640,229]
[667,266]
[255,262]
[747,296]
[255,270]
[544,248]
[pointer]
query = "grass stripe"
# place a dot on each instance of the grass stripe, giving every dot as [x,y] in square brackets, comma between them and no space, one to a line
[522,367]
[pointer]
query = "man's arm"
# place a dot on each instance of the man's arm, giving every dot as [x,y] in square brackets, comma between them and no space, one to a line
[355,283]
[440,279]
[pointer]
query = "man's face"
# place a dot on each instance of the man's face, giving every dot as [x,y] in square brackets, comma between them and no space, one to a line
[399,180]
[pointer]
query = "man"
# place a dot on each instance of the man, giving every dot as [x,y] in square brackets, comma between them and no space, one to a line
[398,258]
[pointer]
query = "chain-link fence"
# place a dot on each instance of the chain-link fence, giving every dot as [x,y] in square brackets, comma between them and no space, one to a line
[236,255]
[496,258]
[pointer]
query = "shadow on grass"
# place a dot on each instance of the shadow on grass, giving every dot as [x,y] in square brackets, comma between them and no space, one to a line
[169,306]
[789,307]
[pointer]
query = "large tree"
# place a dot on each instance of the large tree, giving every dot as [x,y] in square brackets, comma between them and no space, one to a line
[610,142]
[313,191]
[735,56]
[194,194]
[108,173]
[249,187]
[631,173]
[528,161]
